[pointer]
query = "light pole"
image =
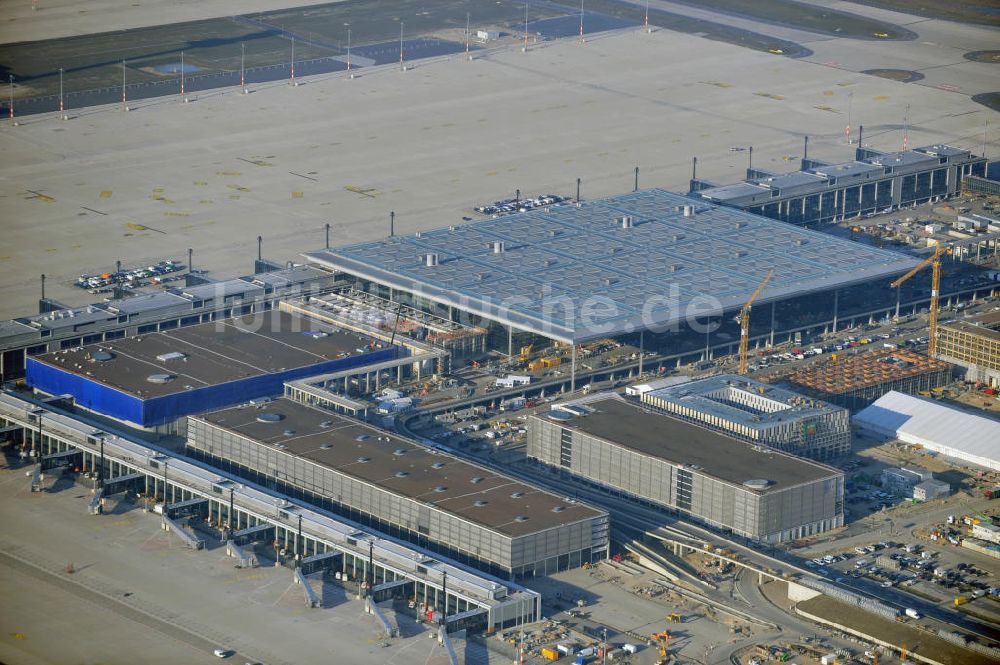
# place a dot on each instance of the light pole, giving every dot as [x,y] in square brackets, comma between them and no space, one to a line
[348,49]
[604,645]
[62,106]
[124,100]
[401,46]
[243,58]
[11,78]
[293,60]
[467,35]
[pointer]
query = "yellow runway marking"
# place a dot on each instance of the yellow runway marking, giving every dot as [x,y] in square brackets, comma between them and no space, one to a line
[228,173]
[880,98]
[106,194]
[770,95]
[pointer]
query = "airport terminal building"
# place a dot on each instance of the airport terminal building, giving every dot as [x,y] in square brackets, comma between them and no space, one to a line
[649,260]
[874,182]
[749,490]
[153,380]
[466,512]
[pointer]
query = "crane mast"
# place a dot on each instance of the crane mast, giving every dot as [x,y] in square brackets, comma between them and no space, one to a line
[744,321]
[934,260]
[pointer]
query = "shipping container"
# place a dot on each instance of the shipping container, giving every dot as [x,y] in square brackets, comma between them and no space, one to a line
[550,654]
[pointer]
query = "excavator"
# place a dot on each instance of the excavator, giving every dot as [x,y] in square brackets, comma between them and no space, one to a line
[662,640]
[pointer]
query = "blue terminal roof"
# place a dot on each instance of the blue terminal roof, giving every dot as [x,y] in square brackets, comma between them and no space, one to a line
[574,273]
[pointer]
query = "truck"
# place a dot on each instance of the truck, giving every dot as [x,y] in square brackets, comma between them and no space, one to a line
[912,613]
[828,659]
[550,654]
[512,404]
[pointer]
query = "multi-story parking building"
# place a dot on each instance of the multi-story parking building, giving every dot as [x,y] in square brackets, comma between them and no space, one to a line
[752,491]
[466,512]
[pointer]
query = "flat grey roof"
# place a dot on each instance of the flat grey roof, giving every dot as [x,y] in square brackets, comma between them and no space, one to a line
[574,273]
[349,440]
[216,352]
[632,426]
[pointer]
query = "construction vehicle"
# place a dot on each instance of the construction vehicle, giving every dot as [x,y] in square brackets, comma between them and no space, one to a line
[675,617]
[526,352]
[744,321]
[662,640]
[933,260]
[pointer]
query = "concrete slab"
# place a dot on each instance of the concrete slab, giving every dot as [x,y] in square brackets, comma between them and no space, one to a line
[429,143]
[157,598]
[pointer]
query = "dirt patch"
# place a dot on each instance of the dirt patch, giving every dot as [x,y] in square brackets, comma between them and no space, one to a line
[983,56]
[990,100]
[901,75]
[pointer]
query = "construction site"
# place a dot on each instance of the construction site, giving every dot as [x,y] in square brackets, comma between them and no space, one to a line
[856,381]
[374,418]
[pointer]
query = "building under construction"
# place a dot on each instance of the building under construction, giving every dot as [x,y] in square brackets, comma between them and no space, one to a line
[857,381]
[759,413]
[646,261]
[974,344]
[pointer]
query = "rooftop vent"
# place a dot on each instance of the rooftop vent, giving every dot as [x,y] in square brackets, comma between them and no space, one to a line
[364,460]
[269,417]
[516,495]
[437,465]
[677,236]
[480,503]
[431,259]
[499,247]
[440,488]
[687,210]
[800,241]
[173,355]
[476,480]
[101,356]
[361,437]
[325,446]
[288,432]
[326,423]
[757,484]
[521,518]
[625,221]
[160,378]
[558,509]
[402,474]
[399,452]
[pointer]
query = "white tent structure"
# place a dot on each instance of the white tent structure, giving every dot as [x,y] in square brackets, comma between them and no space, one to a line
[936,427]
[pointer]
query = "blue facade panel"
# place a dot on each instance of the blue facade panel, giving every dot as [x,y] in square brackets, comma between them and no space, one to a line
[159,410]
[87,393]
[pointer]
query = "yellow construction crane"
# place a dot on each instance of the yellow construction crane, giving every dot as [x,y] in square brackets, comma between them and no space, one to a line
[932,311]
[744,321]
